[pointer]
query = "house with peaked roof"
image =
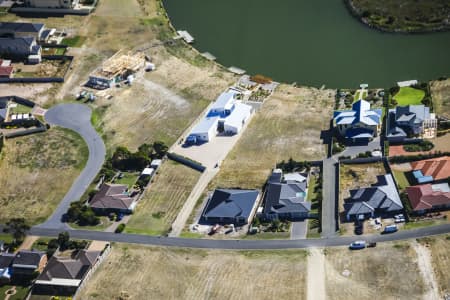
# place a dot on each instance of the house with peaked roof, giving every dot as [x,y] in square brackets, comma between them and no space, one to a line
[433,169]
[429,197]
[6,260]
[405,121]
[359,123]
[64,275]
[380,199]
[286,196]
[230,206]
[22,48]
[113,198]
[27,262]
[22,30]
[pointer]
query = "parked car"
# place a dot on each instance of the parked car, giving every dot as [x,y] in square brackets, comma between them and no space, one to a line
[357,245]
[119,217]
[371,245]
[390,229]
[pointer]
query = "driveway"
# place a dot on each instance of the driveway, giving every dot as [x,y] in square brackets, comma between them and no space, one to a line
[299,230]
[329,212]
[76,117]
[355,150]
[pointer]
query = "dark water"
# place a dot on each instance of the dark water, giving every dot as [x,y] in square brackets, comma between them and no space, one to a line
[311,42]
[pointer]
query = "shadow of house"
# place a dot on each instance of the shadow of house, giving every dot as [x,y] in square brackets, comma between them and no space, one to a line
[381,199]
[230,206]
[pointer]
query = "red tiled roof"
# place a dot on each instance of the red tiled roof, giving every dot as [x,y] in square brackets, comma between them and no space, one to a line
[423,197]
[438,168]
[6,71]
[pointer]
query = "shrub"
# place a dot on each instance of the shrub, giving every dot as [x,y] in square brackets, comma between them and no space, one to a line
[422,146]
[120,228]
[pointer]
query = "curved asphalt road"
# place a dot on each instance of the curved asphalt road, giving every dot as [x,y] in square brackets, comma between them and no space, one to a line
[76,117]
[242,244]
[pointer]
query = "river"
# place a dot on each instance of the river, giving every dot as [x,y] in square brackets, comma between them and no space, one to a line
[311,42]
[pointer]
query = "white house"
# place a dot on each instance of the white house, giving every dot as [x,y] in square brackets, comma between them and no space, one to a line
[236,120]
[204,131]
[224,105]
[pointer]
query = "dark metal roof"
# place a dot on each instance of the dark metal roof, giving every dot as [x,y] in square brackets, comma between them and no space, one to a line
[20,27]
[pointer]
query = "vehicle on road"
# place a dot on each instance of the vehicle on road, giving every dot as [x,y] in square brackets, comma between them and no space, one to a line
[390,229]
[371,244]
[357,245]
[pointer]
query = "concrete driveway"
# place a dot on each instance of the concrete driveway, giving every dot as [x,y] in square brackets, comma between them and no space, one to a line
[299,230]
[76,117]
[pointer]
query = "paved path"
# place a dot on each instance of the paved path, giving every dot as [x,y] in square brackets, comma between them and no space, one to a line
[329,198]
[185,212]
[298,230]
[240,244]
[316,275]
[427,271]
[76,117]
[355,150]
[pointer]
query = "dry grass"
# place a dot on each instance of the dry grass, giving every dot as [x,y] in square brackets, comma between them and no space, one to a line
[36,171]
[440,91]
[358,176]
[440,253]
[168,273]
[388,271]
[288,125]
[163,200]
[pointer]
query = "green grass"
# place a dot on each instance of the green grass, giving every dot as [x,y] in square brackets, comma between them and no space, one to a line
[420,224]
[7,238]
[60,51]
[21,109]
[21,292]
[41,244]
[268,236]
[128,178]
[400,177]
[364,96]
[409,96]
[77,141]
[104,223]
[76,41]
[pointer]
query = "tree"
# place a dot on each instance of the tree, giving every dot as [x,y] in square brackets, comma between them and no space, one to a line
[160,149]
[18,229]
[63,240]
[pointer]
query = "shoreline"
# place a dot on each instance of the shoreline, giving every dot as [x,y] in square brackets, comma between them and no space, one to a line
[354,12]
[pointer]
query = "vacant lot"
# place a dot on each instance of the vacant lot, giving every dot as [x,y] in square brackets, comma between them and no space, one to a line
[388,271]
[409,96]
[163,200]
[406,15]
[440,91]
[36,171]
[440,254]
[167,273]
[289,124]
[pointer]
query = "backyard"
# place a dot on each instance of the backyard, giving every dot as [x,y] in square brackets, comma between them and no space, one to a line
[161,203]
[170,273]
[288,125]
[47,164]
[409,96]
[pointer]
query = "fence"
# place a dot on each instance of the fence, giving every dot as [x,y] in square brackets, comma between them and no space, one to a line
[189,163]
[361,160]
[41,128]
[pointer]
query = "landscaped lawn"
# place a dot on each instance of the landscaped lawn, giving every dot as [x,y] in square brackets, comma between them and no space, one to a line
[400,177]
[357,94]
[76,41]
[7,238]
[21,292]
[128,179]
[164,198]
[409,96]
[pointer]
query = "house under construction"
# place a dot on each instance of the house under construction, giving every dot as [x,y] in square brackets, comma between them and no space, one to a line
[116,69]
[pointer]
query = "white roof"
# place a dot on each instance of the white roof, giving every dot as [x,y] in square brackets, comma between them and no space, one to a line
[148,171]
[294,177]
[224,101]
[239,114]
[205,125]
[60,281]
[156,162]
[5,63]
[390,190]
[407,83]
[441,187]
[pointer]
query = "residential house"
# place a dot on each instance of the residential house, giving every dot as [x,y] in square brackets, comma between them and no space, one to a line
[6,260]
[433,169]
[20,49]
[22,30]
[27,262]
[204,131]
[380,199]
[230,206]
[359,123]
[156,163]
[113,198]
[429,197]
[64,275]
[286,196]
[407,121]
[51,3]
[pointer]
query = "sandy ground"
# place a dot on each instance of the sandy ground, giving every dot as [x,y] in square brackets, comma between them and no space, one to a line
[426,270]
[28,242]
[169,273]
[440,91]
[316,275]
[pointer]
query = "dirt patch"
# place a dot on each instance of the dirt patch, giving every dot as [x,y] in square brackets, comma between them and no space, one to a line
[316,275]
[426,269]
[168,273]
[389,271]
[440,91]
